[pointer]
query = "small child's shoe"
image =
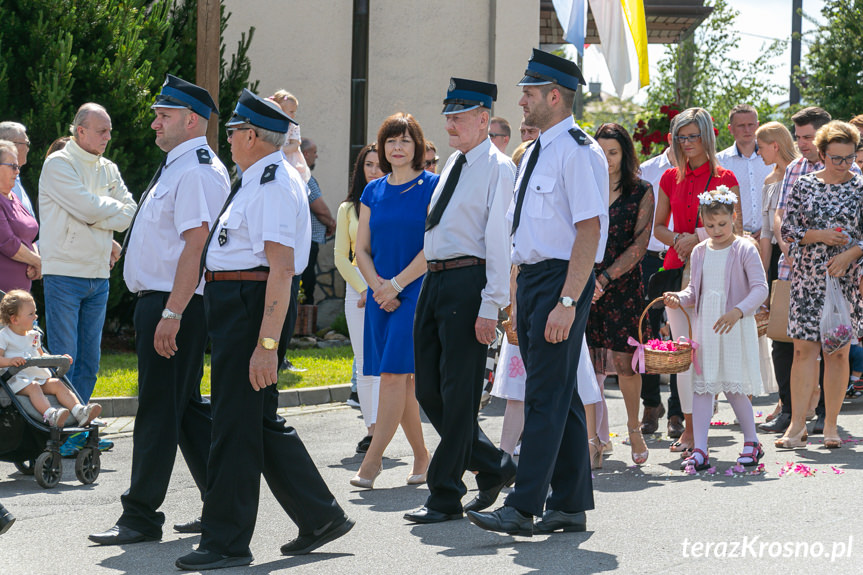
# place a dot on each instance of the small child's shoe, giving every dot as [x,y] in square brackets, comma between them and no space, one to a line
[86,413]
[56,417]
[752,454]
[698,460]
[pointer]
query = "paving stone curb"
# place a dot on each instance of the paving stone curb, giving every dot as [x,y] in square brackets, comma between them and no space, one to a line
[128,406]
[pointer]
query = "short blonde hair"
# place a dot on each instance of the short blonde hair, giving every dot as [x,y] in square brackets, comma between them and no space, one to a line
[836,132]
[282,95]
[776,133]
[11,304]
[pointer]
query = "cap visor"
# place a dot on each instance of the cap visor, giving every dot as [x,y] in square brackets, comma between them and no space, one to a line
[531,81]
[457,108]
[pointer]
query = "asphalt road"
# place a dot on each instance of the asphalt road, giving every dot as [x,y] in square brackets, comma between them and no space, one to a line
[652,519]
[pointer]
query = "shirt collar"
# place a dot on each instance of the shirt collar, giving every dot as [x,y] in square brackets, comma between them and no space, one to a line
[478,151]
[186,146]
[699,171]
[739,154]
[80,153]
[255,170]
[548,136]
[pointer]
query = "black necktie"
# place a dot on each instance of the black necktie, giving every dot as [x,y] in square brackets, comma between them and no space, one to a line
[138,209]
[446,195]
[234,189]
[531,164]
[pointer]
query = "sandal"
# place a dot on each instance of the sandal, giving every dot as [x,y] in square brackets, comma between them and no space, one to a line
[693,461]
[680,447]
[753,456]
[594,447]
[788,442]
[638,458]
[832,442]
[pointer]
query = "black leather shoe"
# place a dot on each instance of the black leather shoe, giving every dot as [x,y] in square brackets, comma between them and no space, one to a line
[778,425]
[324,534]
[503,520]
[675,426]
[193,526]
[202,559]
[553,520]
[426,515]
[120,535]
[486,498]
[818,426]
[364,444]
[6,519]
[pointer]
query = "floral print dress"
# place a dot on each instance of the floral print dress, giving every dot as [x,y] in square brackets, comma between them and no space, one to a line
[814,205]
[614,317]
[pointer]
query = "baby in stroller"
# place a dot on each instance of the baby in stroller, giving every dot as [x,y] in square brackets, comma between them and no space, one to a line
[18,342]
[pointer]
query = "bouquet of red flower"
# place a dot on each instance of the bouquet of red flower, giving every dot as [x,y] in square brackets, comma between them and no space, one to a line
[654,129]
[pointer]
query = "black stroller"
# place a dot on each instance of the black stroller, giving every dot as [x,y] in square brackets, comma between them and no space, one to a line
[31,444]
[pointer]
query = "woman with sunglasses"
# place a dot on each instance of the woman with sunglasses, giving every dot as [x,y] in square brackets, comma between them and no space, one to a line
[823,223]
[693,149]
[20,263]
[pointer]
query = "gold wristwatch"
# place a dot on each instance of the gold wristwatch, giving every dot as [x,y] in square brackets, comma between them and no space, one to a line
[268,343]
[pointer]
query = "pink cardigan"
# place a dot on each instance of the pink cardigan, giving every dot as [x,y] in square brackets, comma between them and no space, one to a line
[745,280]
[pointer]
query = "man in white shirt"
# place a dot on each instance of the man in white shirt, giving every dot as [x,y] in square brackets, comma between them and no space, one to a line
[559,227]
[467,248]
[742,158]
[499,131]
[163,251]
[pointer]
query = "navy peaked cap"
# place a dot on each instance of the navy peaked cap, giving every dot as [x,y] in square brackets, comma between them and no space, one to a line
[266,114]
[464,95]
[545,68]
[178,93]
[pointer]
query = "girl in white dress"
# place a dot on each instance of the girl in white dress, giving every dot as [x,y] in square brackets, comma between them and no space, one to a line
[727,287]
[18,340]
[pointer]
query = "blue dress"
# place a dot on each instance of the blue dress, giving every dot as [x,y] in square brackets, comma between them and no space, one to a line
[397,227]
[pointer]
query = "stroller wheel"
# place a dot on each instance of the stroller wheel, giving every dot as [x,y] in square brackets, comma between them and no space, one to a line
[25,467]
[48,469]
[88,465]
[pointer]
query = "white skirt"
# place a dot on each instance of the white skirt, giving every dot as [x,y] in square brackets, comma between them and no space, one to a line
[729,362]
[25,377]
[510,376]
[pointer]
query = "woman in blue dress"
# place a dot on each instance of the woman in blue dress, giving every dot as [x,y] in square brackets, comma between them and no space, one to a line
[390,257]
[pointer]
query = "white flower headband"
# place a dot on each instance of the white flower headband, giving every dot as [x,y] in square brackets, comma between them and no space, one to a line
[722,194]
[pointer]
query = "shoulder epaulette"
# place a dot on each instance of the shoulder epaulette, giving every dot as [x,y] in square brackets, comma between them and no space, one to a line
[204,156]
[269,173]
[579,136]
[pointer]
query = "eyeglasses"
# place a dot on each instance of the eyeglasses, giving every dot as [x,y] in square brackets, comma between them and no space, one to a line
[493,135]
[15,167]
[684,139]
[430,163]
[230,131]
[24,143]
[839,160]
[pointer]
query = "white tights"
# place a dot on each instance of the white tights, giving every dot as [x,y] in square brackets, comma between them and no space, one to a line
[702,413]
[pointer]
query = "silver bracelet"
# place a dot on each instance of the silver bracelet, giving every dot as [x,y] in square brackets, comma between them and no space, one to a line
[396,285]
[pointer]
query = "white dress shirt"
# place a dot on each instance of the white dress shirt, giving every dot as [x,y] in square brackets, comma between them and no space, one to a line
[568,185]
[188,193]
[474,222]
[651,171]
[750,173]
[263,211]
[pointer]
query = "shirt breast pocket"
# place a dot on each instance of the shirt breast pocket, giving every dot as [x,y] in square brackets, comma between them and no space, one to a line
[155,204]
[539,198]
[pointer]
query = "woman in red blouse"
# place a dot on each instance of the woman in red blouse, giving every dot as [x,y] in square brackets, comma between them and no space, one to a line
[693,148]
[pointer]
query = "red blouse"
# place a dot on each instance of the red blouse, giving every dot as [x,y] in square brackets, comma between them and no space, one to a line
[683,198]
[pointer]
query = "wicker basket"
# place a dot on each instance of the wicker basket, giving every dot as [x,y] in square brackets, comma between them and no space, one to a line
[511,335]
[762,319]
[656,361]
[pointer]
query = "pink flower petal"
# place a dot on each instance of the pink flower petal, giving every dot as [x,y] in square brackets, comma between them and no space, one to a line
[690,469]
[836,470]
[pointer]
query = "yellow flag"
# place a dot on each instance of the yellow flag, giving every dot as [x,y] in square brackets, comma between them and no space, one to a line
[634,11]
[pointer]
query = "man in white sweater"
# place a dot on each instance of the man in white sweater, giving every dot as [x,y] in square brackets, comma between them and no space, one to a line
[82,202]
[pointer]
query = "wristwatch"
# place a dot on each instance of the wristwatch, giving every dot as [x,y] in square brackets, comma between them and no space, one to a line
[168,314]
[268,343]
[566,301]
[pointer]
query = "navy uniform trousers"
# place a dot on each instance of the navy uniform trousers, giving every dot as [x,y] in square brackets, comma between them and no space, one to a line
[554,442]
[171,412]
[249,438]
[449,363]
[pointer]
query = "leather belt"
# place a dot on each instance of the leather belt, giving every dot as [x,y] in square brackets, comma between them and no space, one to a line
[237,276]
[455,263]
[146,292]
[660,255]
